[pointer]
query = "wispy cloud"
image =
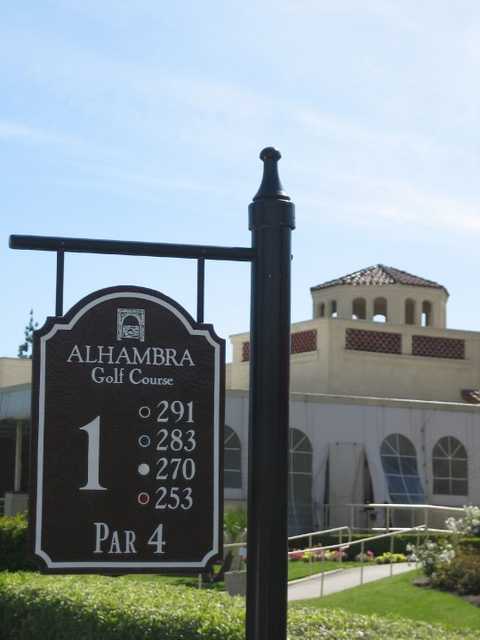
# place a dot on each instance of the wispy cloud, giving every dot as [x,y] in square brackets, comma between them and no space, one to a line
[354,133]
[17,130]
[395,205]
[391,11]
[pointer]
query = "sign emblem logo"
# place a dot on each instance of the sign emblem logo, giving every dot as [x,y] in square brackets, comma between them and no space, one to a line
[131,324]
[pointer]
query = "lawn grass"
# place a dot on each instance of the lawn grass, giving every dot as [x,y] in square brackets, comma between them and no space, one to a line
[301,569]
[397,597]
[296,570]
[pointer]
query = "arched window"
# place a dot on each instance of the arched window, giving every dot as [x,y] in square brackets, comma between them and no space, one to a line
[299,483]
[450,467]
[399,461]
[380,310]
[359,309]
[233,459]
[426,314]
[409,311]
[333,309]
[321,310]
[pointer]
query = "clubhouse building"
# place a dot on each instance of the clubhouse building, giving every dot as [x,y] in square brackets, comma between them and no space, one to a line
[385,405]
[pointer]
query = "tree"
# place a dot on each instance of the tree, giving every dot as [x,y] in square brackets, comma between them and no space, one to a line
[25,349]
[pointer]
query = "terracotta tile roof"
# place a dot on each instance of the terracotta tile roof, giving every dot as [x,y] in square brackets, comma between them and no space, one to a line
[380,275]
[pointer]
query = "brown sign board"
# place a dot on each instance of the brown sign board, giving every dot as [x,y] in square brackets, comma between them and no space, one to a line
[127,437]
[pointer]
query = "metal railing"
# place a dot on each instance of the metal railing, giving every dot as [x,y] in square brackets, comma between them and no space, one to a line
[362,543]
[389,532]
[322,532]
[310,535]
[374,516]
[392,534]
[342,546]
[425,509]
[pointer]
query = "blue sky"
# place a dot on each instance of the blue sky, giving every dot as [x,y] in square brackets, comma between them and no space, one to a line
[143,120]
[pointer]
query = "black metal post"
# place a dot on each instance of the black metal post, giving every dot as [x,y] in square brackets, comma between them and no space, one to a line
[59,287]
[200,289]
[271,220]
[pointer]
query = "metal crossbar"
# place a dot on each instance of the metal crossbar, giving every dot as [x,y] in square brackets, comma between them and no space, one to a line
[131,248]
[197,252]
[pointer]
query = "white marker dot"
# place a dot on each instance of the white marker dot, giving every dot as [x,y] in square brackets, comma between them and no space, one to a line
[143,469]
[144,412]
[143,498]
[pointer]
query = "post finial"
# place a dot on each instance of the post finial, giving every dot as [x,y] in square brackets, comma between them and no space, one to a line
[271,187]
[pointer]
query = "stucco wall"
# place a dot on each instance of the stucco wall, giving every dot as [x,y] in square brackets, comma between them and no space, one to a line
[334,369]
[15,371]
[365,422]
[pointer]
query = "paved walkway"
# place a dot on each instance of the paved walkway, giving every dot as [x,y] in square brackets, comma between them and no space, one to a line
[342,579]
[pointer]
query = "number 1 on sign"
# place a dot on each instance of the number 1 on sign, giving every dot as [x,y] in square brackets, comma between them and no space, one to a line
[93,460]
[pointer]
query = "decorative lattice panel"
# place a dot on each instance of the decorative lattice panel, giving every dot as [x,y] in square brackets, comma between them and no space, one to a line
[374,341]
[303,341]
[452,348]
[300,342]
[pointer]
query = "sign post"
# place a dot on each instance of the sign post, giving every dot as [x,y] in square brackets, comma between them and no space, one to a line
[271,221]
[127,437]
[144,512]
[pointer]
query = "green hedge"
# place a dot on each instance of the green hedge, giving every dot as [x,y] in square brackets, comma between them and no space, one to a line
[37,607]
[13,544]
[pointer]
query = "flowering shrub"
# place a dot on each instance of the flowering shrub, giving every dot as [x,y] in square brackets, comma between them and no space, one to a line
[308,556]
[333,555]
[387,558]
[462,574]
[445,562]
[336,555]
[368,556]
[433,555]
[469,525]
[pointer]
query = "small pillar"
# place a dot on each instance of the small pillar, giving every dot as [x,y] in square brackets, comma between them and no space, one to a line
[369,309]
[17,483]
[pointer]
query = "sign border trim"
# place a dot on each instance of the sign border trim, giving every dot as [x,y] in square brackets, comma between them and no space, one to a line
[152,296]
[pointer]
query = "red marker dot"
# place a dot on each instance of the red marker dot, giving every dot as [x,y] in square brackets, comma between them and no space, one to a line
[143,498]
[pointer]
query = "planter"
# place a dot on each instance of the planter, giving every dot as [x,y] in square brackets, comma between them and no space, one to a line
[236,582]
[15,503]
